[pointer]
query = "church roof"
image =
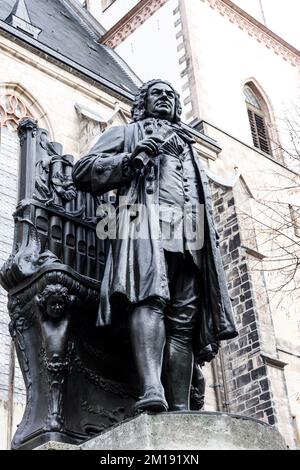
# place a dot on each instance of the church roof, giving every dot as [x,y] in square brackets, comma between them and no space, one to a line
[20,10]
[69,34]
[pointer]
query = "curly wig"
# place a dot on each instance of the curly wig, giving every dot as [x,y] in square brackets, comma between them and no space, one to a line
[138,111]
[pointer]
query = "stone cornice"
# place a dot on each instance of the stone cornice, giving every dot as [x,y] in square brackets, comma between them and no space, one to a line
[256,29]
[130,22]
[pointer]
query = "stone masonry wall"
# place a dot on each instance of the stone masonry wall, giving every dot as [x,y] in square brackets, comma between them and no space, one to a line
[248,383]
[9,151]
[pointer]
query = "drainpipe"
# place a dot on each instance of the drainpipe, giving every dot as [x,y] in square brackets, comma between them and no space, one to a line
[216,385]
[226,403]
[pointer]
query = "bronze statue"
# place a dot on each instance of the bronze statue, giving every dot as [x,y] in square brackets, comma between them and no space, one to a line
[171,292]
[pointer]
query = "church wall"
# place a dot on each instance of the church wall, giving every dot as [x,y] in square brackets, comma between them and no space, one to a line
[8,197]
[277,316]
[210,63]
[224,52]
[263,176]
[208,51]
[253,382]
[56,90]
[290,354]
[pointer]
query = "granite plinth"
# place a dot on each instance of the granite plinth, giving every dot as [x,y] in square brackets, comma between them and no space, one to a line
[186,431]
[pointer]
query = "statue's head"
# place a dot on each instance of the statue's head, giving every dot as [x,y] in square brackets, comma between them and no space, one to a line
[54,300]
[158,99]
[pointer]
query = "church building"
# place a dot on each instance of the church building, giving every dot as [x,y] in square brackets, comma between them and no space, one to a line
[74,66]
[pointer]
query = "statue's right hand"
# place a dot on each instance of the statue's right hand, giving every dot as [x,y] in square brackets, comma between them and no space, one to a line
[150,146]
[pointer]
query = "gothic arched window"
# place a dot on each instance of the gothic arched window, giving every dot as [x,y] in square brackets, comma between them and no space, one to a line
[258,119]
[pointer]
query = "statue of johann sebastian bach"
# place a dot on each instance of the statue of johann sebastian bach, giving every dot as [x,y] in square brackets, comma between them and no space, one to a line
[173,293]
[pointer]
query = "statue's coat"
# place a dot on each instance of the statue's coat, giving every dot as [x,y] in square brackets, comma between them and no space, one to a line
[136,268]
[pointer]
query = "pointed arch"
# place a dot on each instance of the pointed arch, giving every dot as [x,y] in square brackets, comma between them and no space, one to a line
[261,118]
[16,103]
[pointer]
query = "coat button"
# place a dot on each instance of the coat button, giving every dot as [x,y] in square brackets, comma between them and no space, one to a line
[178,167]
[187,199]
[149,190]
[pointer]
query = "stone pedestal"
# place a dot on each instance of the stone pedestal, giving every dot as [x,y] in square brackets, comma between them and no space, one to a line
[186,431]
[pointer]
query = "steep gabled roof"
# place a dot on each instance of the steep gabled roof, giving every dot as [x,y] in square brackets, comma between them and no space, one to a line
[68,33]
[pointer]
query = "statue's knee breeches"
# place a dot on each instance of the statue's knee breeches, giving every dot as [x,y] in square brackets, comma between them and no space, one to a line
[155,305]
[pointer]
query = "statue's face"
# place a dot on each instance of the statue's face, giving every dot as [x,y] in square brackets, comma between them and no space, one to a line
[55,306]
[161,102]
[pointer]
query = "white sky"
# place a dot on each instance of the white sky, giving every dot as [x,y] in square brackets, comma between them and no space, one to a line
[282,16]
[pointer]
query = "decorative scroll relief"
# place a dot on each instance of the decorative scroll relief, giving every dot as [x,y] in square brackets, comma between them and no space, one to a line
[12,110]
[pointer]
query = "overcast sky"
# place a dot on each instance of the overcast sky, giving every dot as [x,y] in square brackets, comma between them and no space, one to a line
[282,16]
